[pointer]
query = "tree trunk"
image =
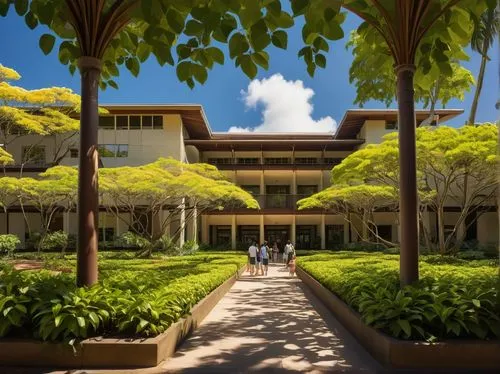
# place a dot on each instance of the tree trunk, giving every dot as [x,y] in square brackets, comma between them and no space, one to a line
[88,194]
[408,176]
[479,87]
[441,238]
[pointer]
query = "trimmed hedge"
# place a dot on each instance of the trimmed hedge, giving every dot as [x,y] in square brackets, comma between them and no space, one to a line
[453,299]
[134,298]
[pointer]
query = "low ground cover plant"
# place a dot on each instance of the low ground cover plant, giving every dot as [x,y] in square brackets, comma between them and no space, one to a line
[454,298]
[134,298]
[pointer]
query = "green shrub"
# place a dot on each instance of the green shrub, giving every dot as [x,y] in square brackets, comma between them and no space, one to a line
[135,297]
[190,247]
[57,240]
[453,299]
[167,245]
[8,243]
[132,240]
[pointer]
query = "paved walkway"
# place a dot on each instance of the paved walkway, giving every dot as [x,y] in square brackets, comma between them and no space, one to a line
[270,324]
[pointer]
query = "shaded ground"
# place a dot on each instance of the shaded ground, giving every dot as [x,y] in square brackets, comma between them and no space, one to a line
[267,324]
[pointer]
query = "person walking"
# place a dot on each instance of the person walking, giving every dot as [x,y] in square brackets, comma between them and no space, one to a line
[276,251]
[264,255]
[252,255]
[289,252]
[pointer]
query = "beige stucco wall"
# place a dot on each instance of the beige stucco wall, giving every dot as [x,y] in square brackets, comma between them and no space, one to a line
[373,131]
[487,228]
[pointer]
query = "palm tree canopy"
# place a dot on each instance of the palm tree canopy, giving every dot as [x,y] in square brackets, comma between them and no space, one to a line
[486,27]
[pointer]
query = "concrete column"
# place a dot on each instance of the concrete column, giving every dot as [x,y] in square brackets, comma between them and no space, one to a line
[346,232]
[166,226]
[182,223]
[204,229]
[320,186]
[294,183]
[323,232]
[66,222]
[262,184]
[261,231]
[293,235]
[233,231]
[195,224]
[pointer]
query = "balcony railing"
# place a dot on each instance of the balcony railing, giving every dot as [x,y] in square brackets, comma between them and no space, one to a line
[307,163]
[278,201]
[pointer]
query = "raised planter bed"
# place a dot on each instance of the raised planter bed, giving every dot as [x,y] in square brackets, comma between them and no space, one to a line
[116,353]
[403,354]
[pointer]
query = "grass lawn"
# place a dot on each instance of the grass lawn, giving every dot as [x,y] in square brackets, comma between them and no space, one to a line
[454,298]
[134,297]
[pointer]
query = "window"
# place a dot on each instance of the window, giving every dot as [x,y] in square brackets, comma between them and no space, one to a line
[122,122]
[34,155]
[106,234]
[277,160]
[135,122]
[220,161]
[254,190]
[73,152]
[332,160]
[248,161]
[107,122]
[306,160]
[107,150]
[307,190]
[391,125]
[122,150]
[147,122]
[385,232]
[157,122]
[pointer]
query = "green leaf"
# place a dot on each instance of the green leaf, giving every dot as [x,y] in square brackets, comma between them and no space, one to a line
[163,55]
[405,326]
[321,44]
[143,51]
[216,54]
[183,70]
[280,39]
[199,73]
[476,303]
[299,6]
[261,58]
[238,45]
[46,43]
[311,68]
[194,28]
[113,84]
[258,36]
[133,66]
[31,20]
[285,20]
[248,66]
[274,7]
[4,9]
[175,20]
[333,31]
[81,322]
[320,60]
[21,7]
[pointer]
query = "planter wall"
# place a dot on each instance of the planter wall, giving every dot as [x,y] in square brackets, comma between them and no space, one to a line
[116,353]
[403,354]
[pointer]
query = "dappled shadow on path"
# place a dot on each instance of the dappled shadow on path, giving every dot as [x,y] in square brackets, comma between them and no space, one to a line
[270,324]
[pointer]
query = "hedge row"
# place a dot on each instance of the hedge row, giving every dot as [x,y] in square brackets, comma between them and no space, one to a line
[135,298]
[453,299]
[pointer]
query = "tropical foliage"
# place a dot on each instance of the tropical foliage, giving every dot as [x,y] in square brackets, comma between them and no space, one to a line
[455,299]
[134,297]
[372,71]
[43,112]
[455,167]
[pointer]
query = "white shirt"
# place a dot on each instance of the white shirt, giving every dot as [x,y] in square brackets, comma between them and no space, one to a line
[252,251]
[288,248]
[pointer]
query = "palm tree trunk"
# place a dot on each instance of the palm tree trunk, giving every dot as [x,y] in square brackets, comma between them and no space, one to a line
[88,194]
[479,87]
[408,211]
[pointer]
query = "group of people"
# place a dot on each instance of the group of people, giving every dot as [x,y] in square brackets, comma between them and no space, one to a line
[258,257]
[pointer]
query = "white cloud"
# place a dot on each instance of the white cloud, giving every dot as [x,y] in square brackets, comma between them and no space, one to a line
[287,107]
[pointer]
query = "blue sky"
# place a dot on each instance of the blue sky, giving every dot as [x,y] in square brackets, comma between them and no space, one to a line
[222,95]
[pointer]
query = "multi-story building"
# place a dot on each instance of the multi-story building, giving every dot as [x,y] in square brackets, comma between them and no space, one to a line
[277,168]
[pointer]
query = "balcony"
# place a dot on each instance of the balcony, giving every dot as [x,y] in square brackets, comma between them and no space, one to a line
[278,203]
[326,163]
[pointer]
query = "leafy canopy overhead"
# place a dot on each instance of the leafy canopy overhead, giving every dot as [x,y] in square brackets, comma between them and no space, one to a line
[372,71]
[189,34]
